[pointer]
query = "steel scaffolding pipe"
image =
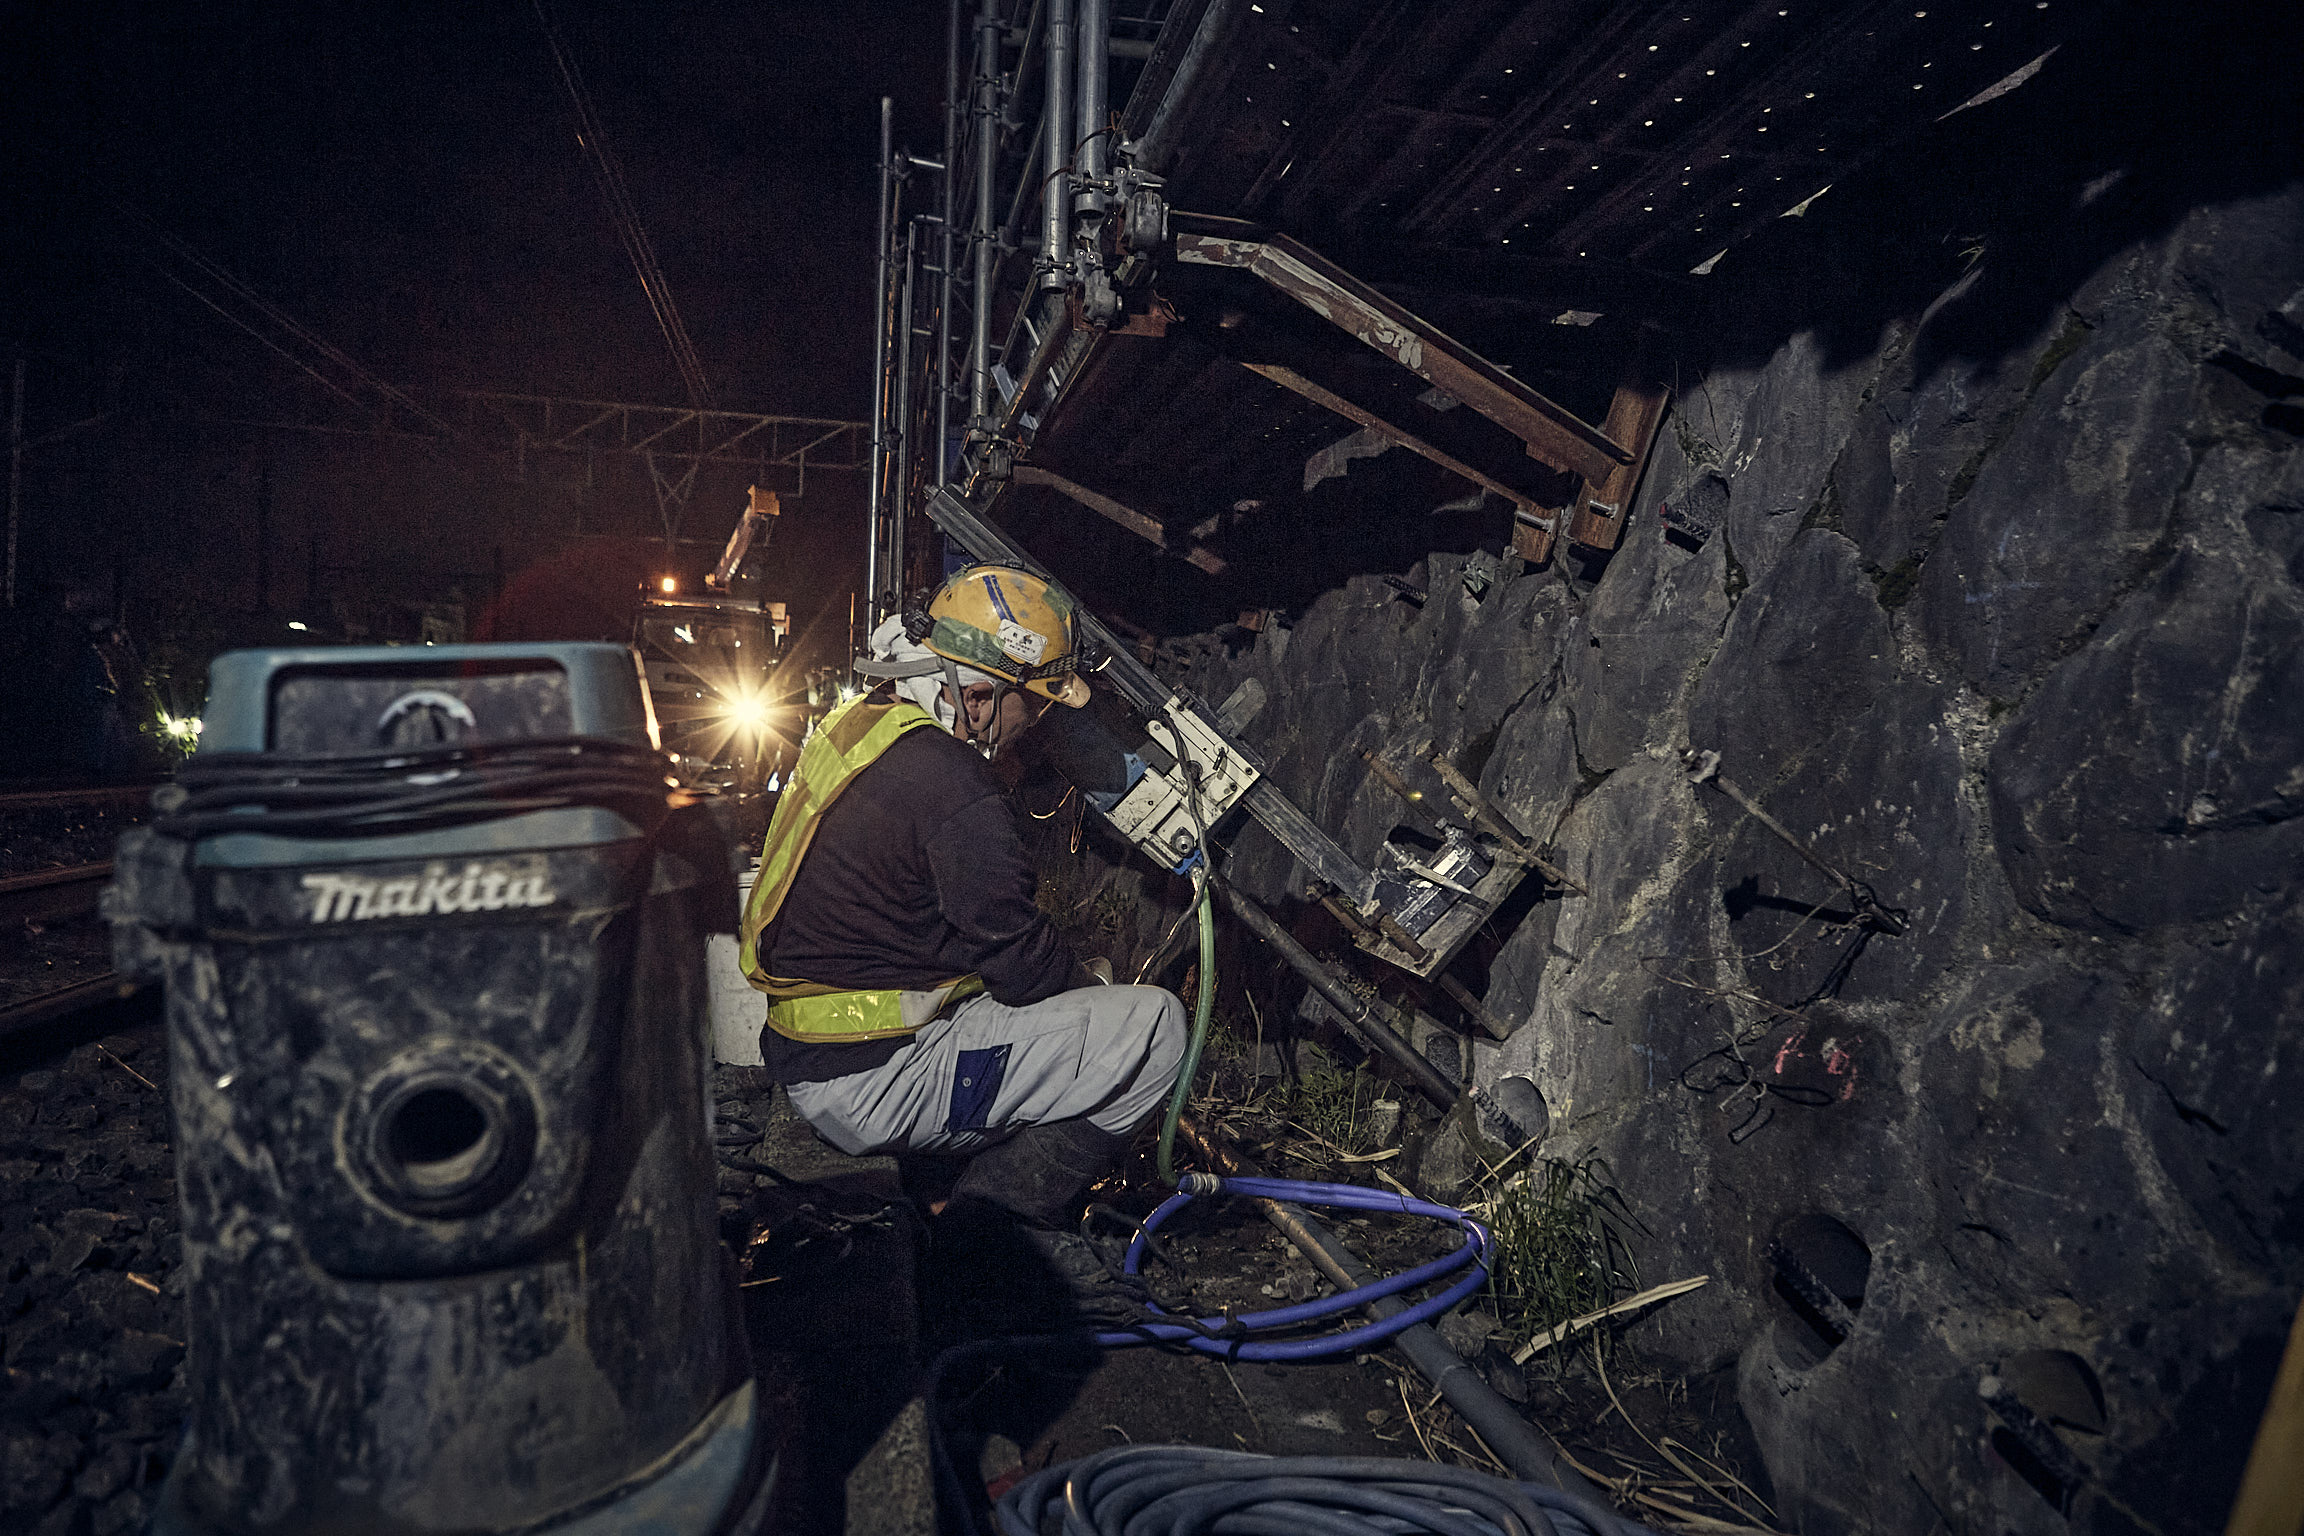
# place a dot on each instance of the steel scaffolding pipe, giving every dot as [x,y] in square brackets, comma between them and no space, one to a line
[1028,54]
[988,31]
[1056,148]
[872,512]
[951,174]
[1158,140]
[907,414]
[1094,67]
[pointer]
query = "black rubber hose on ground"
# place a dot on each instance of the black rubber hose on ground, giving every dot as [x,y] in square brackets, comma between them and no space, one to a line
[1183,1488]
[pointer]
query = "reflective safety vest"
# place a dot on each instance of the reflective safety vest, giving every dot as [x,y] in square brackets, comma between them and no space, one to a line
[849,740]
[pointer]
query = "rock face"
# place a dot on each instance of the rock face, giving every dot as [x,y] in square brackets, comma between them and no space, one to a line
[2003,615]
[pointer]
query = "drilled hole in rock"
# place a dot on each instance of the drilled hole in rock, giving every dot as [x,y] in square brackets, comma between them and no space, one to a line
[2058,1386]
[1514,1111]
[1821,1268]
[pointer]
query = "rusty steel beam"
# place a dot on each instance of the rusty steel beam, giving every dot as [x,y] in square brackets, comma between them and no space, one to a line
[1553,433]
[1363,415]
[1148,528]
[1596,521]
[1346,380]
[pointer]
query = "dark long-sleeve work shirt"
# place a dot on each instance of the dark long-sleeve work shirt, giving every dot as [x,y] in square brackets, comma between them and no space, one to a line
[916,875]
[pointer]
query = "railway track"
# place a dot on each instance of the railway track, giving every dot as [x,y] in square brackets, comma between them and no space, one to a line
[110,795]
[52,895]
[56,896]
[48,1007]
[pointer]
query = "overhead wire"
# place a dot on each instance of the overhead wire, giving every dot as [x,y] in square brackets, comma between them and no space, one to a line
[626,215]
[234,287]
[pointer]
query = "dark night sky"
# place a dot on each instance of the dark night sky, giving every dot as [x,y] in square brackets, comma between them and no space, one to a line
[406,180]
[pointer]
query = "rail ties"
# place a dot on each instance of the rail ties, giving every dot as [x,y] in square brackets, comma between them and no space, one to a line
[52,895]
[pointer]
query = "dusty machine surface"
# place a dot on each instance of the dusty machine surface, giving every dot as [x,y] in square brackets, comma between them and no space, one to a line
[431,931]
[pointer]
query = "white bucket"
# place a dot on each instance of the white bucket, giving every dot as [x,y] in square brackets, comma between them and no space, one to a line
[738,1012]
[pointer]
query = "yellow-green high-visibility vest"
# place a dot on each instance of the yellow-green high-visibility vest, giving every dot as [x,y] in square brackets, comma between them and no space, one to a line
[849,740]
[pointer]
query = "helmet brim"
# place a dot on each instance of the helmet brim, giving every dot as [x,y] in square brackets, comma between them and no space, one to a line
[1069,689]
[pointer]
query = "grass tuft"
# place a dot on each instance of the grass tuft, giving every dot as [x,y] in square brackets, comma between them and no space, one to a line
[1562,1246]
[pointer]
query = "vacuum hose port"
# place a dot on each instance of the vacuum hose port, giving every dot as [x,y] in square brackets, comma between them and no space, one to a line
[446,1133]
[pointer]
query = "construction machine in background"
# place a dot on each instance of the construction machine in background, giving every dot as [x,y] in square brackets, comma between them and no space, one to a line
[713,665]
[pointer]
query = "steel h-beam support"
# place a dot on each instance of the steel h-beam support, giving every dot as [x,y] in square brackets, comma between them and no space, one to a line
[1431,440]
[1597,519]
[1147,528]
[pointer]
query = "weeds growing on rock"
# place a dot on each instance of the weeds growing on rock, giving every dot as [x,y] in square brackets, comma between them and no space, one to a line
[1328,1100]
[1562,1245]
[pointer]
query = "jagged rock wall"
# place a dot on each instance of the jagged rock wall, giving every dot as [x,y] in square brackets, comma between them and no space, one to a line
[2003,614]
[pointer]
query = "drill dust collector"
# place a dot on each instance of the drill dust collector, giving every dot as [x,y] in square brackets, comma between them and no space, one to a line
[432,925]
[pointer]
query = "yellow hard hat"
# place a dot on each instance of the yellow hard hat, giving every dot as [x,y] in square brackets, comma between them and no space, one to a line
[1011,625]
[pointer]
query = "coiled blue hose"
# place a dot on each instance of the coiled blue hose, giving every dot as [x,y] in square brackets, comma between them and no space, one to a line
[1228,1336]
[1183,1490]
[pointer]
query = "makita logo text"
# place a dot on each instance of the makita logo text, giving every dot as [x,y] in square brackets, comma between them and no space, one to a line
[438,891]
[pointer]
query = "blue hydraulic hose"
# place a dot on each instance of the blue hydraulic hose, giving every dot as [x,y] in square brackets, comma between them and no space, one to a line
[1226,1336]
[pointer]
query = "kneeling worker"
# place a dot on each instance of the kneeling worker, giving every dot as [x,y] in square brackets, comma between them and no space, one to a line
[919,1000]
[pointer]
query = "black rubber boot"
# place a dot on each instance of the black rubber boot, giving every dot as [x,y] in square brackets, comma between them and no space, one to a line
[1041,1172]
[1005,1256]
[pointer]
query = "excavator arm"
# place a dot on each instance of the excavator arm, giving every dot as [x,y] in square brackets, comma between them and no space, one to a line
[759,519]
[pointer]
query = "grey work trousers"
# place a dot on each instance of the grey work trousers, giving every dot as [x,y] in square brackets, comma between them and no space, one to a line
[1107,1055]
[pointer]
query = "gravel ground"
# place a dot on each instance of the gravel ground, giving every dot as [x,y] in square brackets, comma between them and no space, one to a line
[41,837]
[89,1315]
[43,957]
[92,1393]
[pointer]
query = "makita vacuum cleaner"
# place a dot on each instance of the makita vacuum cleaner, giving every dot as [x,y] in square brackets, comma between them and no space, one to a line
[431,922]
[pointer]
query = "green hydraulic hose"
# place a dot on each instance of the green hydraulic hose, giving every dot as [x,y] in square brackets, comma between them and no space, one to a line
[1200,1015]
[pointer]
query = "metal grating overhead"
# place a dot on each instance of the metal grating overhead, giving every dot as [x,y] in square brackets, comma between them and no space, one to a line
[1466,230]
[1640,133]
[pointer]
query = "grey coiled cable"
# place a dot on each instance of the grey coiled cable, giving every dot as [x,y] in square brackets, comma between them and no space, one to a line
[1182,1490]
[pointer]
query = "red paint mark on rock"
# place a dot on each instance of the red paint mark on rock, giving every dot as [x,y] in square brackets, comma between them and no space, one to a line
[1790,1050]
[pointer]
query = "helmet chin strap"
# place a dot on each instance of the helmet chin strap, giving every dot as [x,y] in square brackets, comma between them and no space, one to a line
[961,726]
[933,681]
